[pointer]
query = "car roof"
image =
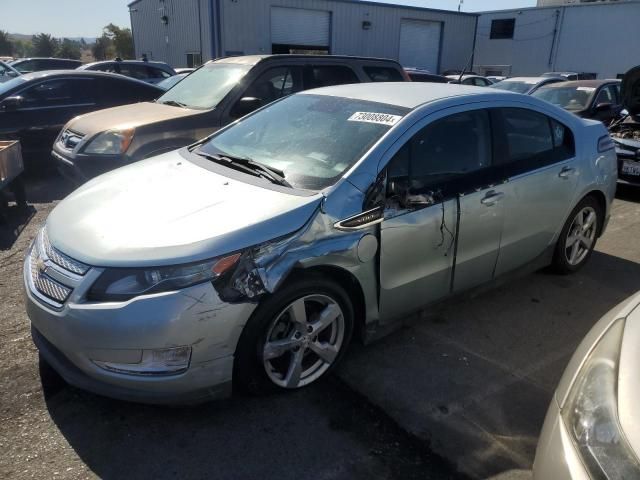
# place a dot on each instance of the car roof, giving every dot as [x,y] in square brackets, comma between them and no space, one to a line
[46,58]
[78,73]
[582,83]
[255,59]
[408,95]
[527,79]
[132,62]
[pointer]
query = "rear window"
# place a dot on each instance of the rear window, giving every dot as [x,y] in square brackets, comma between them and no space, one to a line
[383,74]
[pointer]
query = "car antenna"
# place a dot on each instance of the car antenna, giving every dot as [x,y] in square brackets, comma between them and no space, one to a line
[466,67]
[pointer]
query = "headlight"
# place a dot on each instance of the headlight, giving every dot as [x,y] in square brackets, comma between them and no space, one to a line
[120,284]
[112,142]
[591,412]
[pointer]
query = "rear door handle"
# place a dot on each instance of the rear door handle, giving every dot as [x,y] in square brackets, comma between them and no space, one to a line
[491,198]
[566,172]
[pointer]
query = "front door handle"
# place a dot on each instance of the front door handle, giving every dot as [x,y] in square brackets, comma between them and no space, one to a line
[566,172]
[491,198]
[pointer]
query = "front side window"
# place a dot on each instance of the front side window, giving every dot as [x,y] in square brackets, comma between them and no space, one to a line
[275,83]
[312,139]
[206,87]
[56,93]
[449,156]
[26,66]
[607,95]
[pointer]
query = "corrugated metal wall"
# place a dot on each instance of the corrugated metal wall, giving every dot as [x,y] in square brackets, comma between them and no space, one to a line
[187,30]
[594,38]
[246,28]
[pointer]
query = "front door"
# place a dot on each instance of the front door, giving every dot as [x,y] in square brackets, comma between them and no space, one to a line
[427,179]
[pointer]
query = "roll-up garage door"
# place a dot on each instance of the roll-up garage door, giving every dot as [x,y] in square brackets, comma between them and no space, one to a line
[420,44]
[299,26]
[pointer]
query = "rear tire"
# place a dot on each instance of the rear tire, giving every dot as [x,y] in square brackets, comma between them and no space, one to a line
[295,337]
[578,237]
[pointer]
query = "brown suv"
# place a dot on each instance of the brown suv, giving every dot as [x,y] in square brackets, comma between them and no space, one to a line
[216,94]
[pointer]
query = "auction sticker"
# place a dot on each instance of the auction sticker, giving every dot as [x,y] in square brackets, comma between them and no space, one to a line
[372,117]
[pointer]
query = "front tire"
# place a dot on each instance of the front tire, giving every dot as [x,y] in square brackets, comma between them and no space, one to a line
[578,237]
[295,337]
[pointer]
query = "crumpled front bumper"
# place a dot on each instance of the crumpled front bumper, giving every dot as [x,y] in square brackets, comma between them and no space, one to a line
[72,338]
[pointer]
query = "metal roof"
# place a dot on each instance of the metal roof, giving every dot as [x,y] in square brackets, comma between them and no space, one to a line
[405,94]
[382,4]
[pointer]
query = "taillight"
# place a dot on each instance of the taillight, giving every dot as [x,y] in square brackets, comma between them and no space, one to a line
[605,143]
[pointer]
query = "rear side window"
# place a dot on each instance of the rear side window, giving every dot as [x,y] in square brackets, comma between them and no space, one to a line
[530,140]
[327,75]
[383,74]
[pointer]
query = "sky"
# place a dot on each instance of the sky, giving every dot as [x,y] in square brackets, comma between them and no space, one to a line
[85,18]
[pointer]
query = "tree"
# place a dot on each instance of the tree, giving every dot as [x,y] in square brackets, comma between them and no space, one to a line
[44,45]
[6,45]
[100,48]
[69,49]
[22,48]
[121,39]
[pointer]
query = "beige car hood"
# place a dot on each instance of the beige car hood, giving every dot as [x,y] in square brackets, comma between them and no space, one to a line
[127,116]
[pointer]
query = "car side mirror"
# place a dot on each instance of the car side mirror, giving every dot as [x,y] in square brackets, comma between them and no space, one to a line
[603,107]
[419,200]
[11,103]
[12,74]
[245,106]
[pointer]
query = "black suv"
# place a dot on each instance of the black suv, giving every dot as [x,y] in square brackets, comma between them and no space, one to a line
[213,96]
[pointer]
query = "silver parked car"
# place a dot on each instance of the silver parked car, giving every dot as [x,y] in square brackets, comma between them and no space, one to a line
[591,430]
[253,256]
[525,85]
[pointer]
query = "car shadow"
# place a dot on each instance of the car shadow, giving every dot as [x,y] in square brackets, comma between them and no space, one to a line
[629,193]
[474,378]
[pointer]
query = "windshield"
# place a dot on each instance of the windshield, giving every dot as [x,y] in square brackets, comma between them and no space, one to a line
[10,84]
[569,98]
[312,139]
[511,86]
[205,87]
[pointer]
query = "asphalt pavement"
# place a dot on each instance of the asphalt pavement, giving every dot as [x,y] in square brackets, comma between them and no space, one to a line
[460,391]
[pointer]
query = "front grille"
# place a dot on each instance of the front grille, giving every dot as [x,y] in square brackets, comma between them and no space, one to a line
[61,259]
[70,139]
[45,284]
[52,274]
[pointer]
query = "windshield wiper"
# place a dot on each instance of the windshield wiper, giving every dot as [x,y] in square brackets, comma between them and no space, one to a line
[248,165]
[174,103]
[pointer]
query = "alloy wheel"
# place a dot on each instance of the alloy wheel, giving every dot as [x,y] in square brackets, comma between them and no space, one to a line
[303,341]
[581,236]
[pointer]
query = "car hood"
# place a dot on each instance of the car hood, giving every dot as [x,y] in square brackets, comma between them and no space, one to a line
[631,91]
[127,116]
[168,210]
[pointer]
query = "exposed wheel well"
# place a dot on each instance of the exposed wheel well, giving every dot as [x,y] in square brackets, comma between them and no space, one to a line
[602,202]
[347,281]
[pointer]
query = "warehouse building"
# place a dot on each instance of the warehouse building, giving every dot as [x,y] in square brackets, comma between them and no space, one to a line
[189,32]
[585,37]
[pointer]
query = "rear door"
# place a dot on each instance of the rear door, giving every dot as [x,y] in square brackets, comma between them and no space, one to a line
[538,157]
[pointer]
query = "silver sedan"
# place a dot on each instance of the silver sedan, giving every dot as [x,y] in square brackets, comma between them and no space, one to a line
[252,258]
[591,430]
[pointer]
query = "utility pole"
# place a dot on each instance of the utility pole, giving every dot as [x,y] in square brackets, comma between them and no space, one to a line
[460,2]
